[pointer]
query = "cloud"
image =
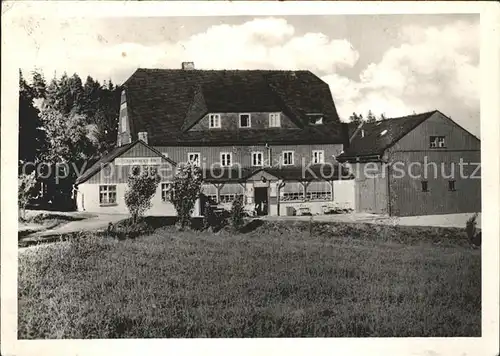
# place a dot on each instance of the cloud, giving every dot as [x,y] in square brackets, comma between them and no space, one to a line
[268,43]
[433,68]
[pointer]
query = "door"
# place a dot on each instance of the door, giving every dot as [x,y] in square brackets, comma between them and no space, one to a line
[261,200]
[367,201]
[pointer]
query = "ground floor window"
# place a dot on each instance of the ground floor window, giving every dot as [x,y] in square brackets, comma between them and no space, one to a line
[107,194]
[166,192]
[319,191]
[315,191]
[319,195]
[295,196]
[224,198]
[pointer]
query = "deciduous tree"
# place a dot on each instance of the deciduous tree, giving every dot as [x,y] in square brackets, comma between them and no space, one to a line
[186,190]
[25,187]
[142,185]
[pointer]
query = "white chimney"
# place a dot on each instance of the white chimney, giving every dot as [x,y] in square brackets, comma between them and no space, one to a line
[143,136]
[188,65]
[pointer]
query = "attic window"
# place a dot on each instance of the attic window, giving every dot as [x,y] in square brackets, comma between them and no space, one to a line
[437,142]
[214,121]
[245,120]
[315,119]
[383,133]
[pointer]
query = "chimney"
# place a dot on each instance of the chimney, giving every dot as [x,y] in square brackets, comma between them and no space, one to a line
[188,65]
[143,136]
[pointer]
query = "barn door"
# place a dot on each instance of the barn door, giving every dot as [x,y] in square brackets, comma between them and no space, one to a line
[367,196]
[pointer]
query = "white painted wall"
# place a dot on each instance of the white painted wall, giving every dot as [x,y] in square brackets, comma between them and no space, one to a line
[344,193]
[88,200]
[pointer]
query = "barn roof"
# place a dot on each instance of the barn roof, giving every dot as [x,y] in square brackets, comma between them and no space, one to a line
[167,102]
[380,135]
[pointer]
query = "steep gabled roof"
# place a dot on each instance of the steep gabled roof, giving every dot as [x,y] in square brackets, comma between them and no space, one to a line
[380,135]
[110,157]
[167,102]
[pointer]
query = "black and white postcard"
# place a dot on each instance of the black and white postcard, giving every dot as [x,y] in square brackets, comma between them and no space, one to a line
[256,177]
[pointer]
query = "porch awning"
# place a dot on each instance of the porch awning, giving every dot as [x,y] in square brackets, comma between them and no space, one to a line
[319,172]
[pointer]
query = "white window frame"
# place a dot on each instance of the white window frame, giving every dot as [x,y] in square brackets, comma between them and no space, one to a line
[194,161]
[275,119]
[283,158]
[249,121]
[320,154]
[124,123]
[166,191]
[255,154]
[439,142]
[222,160]
[217,121]
[110,189]
[292,196]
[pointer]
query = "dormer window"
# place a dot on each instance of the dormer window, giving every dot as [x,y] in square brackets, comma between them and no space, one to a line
[245,120]
[315,119]
[274,119]
[214,121]
[437,142]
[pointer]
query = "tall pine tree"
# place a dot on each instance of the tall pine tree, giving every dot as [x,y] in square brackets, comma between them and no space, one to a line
[31,135]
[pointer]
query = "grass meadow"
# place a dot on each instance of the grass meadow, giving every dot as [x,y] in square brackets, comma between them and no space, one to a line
[277,279]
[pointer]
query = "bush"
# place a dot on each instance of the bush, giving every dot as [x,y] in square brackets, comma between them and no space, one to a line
[208,215]
[141,188]
[130,229]
[186,189]
[25,186]
[237,213]
[471,230]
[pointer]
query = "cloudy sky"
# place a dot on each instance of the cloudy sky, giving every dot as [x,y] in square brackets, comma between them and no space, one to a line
[392,64]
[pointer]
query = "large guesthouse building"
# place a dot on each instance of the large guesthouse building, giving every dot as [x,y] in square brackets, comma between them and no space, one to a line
[269,136]
[275,138]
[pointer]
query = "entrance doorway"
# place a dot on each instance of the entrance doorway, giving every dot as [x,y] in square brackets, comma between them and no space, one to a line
[261,201]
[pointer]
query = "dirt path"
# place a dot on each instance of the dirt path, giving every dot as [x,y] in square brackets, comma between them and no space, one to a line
[91,224]
[446,220]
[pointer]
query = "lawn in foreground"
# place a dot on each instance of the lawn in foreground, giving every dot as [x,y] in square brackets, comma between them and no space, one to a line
[273,282]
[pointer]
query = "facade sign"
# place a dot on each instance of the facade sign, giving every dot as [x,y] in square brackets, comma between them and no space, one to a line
[138,161]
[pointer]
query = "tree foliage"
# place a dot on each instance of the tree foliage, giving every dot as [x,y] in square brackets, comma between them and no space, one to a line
[186,189]
[66,121]
[31,135]
[142,185]
[370,118]
[25,187]
[355,118]
[237,213]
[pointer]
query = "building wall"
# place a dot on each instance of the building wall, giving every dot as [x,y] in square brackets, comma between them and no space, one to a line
[115,173]
[438,125]
[230,121]
[88,200]
[370,188]
[406,195]
[243,154]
